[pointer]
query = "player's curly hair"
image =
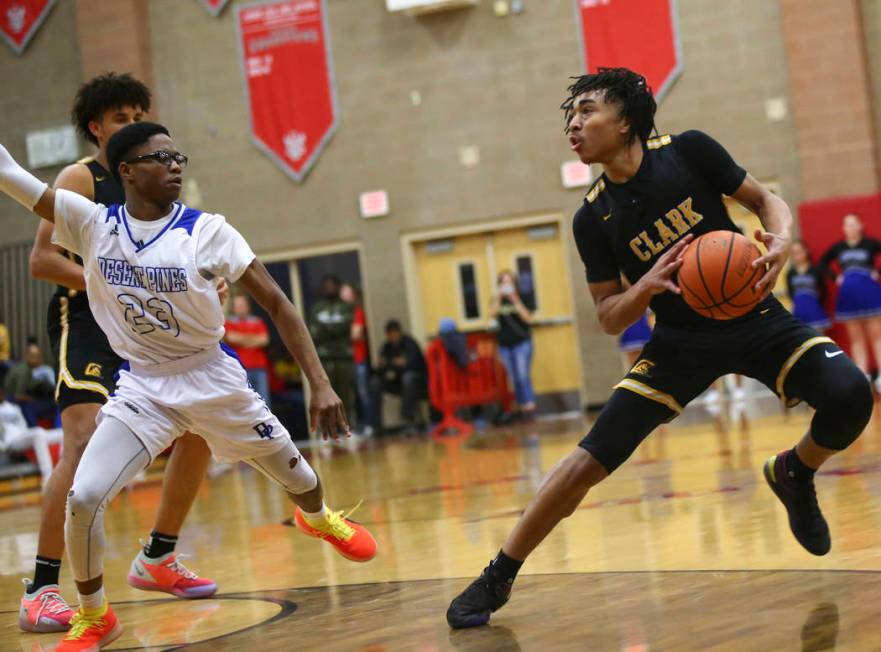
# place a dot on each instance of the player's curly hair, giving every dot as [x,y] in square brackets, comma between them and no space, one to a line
[121,143]
[628,89]
[104,93]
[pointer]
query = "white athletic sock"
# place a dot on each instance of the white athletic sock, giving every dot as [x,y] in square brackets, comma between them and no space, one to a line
[92,601]
[316,517]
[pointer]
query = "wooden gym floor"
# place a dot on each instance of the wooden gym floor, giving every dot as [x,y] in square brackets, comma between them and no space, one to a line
[684,548]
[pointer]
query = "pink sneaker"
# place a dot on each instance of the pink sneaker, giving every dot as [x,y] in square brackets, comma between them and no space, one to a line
[167,574]
[45,611]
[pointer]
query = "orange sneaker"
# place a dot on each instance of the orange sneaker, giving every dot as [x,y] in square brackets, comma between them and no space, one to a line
[352,540]
[91,630]
[168,575]
[44,611]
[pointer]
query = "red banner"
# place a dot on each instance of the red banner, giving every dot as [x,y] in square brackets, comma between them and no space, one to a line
[214,7]
[20,20]
[642,35]
[289,81]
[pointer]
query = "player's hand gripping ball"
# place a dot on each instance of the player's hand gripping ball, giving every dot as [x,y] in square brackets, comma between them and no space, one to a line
[717,278]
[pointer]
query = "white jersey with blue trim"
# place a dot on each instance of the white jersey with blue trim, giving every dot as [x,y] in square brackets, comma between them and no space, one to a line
[154,297]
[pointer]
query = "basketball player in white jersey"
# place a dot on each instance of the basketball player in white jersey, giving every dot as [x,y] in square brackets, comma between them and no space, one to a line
[149,268]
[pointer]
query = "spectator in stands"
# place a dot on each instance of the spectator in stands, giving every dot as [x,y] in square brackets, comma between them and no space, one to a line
[17,437]
[248,336]
[515,339]
[5,346]
[31,384]
[401,370]
[853,262]
[352,296]
[330,324]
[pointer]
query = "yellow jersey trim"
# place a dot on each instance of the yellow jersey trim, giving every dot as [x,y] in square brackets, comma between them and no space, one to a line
[594,192]
[650,393]
[64,375]
[659,141]
[794,357]
[86,159]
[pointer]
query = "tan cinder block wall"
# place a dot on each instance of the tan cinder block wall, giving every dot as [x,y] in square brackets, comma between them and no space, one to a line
[493,83]
[832,103]
[871,14]
[483,81]
[115,36]
[36,90]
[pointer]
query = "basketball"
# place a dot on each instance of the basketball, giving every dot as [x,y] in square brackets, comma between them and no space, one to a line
[717,278]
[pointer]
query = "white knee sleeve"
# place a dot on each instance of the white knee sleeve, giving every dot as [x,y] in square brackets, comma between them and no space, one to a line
[112,458]
[287,468]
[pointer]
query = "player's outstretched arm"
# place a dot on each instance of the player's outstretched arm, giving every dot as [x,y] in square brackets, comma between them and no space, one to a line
[776,217]
[325,407]
[25,188]
[618,308]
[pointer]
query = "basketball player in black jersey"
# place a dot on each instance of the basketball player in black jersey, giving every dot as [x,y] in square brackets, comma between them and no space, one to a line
[654,196]
[86,366]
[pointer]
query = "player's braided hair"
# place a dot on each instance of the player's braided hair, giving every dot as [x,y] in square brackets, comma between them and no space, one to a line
[121,143]
[621,86]
[103,93]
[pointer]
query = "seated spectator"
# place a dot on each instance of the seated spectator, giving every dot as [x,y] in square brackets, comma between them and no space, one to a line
[31,384]
[401,370]
[16,436]
[248,336]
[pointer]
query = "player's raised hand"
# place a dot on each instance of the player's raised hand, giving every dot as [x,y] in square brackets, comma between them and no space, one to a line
[778,252]
[326,412]
[660,277]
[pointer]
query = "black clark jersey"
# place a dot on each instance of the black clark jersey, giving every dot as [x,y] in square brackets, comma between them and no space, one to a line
[108,192]
[678,188]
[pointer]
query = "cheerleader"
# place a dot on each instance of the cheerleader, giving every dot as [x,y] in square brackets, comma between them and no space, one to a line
[851,262]
[807,289]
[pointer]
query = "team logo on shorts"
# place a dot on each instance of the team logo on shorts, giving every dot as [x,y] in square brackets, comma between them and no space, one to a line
[642,367]
[131,407]
[93,369]
[264,430]
[293,461]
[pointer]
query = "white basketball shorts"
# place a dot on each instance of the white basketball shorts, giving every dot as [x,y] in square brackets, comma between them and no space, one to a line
[207,394]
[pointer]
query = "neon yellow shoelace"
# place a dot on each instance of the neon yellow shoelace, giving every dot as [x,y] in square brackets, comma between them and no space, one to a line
[81,622]
[336,526]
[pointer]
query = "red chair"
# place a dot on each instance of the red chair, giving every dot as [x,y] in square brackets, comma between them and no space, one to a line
[450,387]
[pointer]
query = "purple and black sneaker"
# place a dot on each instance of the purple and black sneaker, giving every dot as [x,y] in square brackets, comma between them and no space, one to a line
[474,605]
[799,497]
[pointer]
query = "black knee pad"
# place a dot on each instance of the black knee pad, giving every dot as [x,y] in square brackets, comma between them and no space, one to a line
[844,406]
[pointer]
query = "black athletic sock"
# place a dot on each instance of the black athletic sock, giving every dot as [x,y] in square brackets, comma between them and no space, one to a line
[505,568]
[796,468]
[159,544]
[46,572]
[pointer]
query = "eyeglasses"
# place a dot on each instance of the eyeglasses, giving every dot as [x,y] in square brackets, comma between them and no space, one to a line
[163,157]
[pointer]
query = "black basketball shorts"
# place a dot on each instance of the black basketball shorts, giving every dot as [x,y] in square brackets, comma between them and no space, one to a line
[676,366]
[85,364]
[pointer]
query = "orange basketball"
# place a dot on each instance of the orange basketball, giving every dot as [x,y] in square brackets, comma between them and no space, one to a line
[717,277]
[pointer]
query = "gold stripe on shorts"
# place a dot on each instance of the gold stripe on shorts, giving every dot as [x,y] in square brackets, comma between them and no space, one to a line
[64,375]
[650,393]
[794,357]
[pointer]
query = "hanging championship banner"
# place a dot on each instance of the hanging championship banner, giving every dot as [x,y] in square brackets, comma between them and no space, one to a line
[285,50]
[642,35]
[214,7]
[20,20]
